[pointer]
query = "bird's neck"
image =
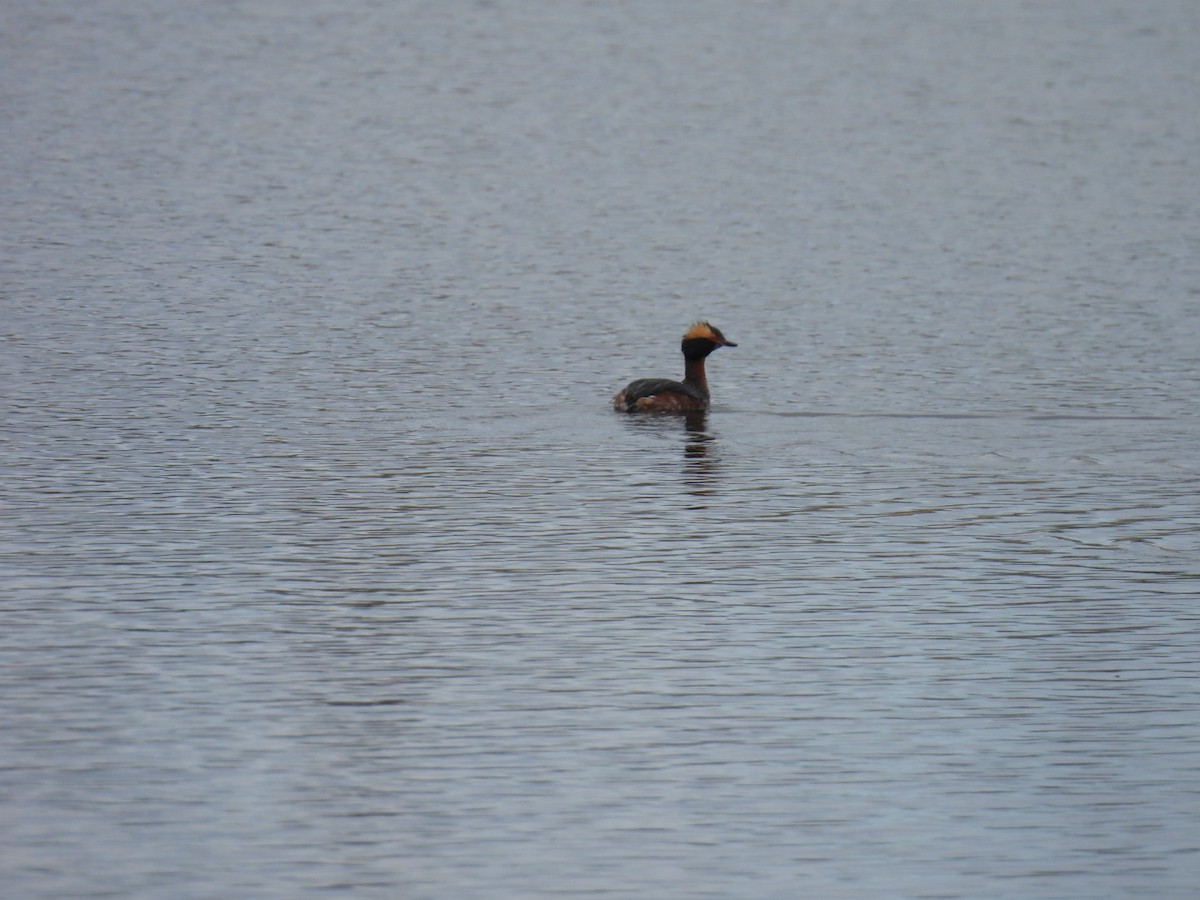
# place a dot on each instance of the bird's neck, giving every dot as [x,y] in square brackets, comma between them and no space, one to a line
[693,374]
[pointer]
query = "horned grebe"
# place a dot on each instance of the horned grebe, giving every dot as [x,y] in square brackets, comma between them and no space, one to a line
[665,395]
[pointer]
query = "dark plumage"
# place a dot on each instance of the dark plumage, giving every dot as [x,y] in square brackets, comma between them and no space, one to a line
[665,395]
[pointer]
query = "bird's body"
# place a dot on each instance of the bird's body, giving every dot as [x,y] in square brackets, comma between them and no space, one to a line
[666,395]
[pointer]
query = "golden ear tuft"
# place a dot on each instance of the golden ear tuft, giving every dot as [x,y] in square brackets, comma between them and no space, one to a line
[700,330]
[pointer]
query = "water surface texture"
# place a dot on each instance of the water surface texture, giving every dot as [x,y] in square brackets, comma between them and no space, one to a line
[327,570]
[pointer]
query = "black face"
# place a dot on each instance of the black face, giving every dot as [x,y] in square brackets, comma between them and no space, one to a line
[700,347]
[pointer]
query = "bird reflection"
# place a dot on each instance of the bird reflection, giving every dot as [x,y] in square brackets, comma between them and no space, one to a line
[700,467]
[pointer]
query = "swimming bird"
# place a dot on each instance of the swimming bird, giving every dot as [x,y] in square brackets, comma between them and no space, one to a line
[665,395]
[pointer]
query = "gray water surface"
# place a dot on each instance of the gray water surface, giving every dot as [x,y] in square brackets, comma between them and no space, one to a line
[329,572]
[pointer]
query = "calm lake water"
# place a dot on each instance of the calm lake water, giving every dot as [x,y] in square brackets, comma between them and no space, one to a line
[328,571]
